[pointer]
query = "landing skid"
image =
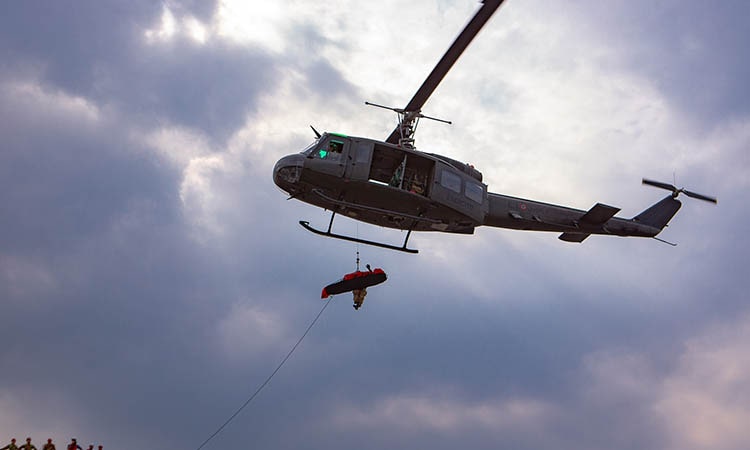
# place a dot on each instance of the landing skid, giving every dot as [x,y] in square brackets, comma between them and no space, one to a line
[328,233]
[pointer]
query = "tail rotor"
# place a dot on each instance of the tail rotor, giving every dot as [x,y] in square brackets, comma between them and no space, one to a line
[676,192]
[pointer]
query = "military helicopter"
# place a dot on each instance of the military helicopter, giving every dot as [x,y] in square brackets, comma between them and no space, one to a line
[392,184]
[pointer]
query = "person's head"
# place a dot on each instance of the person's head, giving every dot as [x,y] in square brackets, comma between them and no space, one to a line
[13,440]
[73,440]
[28,439]
[49,441]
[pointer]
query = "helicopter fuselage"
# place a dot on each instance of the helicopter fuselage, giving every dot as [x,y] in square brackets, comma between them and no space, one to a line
[391,184]
[383,184]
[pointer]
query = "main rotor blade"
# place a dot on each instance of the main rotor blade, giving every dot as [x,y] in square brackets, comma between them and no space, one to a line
[700,196]
[659,184]
[449,58]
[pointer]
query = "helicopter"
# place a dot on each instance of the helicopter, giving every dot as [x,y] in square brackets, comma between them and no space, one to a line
[391,184]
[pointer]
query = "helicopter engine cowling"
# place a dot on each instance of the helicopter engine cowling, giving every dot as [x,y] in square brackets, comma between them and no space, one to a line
[472,172]
[468,169]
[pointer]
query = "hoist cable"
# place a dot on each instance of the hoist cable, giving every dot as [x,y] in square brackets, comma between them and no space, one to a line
[357,246]
[257,391]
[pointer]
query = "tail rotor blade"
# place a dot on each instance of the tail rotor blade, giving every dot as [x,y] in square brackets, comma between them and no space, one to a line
[676,192]
[659,184]
[700,196]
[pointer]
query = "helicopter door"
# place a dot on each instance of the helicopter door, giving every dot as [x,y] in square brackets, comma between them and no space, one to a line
[358,160]
[330,156]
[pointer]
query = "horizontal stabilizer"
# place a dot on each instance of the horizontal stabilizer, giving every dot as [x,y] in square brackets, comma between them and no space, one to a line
[573,237]
[598,214]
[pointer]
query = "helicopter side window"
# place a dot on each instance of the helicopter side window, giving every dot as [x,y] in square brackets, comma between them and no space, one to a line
[450,181]
[474,192]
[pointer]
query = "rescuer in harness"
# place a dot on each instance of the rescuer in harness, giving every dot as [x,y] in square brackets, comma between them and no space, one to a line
[357,283]
[359,297]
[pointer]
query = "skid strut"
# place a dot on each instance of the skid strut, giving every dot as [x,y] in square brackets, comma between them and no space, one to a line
[305,224]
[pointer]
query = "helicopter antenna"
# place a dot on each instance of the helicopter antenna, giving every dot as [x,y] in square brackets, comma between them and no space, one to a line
[407,123]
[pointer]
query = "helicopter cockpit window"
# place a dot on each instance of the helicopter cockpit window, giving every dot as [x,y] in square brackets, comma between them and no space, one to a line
[310,148]
[331,151]
[474,192]
[450,181]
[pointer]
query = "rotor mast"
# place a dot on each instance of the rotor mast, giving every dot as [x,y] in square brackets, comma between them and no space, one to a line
[409,116]
[407,123]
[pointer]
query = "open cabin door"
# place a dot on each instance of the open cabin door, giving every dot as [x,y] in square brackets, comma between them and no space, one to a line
[400,169]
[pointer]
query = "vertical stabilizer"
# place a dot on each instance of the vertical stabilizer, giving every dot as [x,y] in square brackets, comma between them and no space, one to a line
[659,215]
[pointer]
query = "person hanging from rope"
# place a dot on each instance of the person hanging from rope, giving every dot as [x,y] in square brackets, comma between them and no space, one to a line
[11,446]
[360,294]
[28,445]
[359,297]
[49,445]
[357,283]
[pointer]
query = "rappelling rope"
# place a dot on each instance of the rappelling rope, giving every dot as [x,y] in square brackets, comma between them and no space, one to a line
[247,402]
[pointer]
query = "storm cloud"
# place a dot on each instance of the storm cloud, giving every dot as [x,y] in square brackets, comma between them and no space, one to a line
[152,276]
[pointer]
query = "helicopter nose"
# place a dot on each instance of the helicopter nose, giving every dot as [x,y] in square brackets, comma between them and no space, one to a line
[288,170]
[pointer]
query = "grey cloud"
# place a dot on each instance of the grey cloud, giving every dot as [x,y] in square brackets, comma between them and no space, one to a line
[99,52]
[210,88]
[70,40]
[687,49]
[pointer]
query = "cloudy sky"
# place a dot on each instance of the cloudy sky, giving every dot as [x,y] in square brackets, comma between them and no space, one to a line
[152,276]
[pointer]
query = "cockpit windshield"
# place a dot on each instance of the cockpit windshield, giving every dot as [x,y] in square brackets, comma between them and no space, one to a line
[309,149]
